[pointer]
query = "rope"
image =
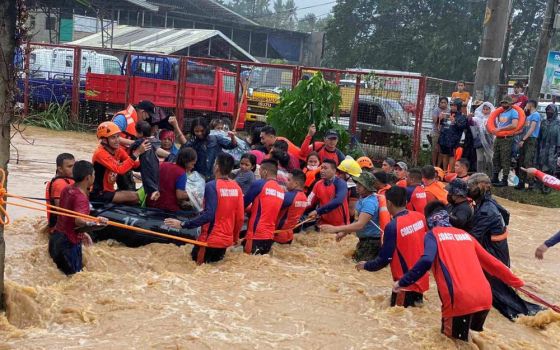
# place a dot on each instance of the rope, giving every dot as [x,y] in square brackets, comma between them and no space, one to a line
[5,218]
[539,299]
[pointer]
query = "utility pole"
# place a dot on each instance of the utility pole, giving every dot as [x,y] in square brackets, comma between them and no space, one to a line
[541,55]
[490,59]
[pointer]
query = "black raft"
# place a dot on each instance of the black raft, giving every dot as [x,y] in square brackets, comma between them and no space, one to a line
[146,218]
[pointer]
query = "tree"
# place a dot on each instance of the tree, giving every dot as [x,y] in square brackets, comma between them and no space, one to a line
[434,37]
[312,101]
[8,15]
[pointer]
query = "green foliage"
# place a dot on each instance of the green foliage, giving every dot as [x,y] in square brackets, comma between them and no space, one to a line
[55,117]
[314,101]
[533,197]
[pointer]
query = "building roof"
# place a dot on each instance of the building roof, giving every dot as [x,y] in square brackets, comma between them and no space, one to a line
[144,4]
[158,40]
[204,8]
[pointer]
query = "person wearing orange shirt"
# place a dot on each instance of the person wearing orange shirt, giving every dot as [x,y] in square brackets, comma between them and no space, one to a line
[465,96]
[401,171]
[435,190]
[63,177]
[110,160]
[381,182]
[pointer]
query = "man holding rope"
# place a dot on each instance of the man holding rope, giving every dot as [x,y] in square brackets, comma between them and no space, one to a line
[65,244]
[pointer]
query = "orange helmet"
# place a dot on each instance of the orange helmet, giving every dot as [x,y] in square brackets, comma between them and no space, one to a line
[107,129]
[365,162]
[440,173]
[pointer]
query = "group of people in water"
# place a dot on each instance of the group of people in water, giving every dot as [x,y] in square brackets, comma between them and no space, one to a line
[410,219]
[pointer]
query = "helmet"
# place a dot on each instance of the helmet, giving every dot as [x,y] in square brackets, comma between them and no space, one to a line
[350,166]
[107,129]
[365,162]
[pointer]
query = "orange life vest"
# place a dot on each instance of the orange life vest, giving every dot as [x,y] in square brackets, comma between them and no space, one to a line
[51,218]
[131,119]
[384,216]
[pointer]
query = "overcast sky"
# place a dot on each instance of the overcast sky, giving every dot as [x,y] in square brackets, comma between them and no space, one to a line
[320,7]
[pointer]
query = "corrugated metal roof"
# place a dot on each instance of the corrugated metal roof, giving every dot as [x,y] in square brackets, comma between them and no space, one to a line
[160,40]
[144,4]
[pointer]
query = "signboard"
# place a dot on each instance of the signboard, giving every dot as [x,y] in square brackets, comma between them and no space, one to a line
[551,79]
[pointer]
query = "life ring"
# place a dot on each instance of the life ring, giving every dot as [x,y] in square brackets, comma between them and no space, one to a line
[491,124]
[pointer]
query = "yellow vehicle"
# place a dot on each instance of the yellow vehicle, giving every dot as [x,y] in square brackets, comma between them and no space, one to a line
[259,101]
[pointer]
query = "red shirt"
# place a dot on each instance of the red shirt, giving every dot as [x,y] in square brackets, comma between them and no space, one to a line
[71,198]
[293,207]
[319,147]
[417,199]
[548,180]
[411,229]
[331,198]
[266,197]
[171,178]
[225,199]
[458,271]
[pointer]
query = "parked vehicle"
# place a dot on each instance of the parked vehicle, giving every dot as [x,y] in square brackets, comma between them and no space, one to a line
[208,90]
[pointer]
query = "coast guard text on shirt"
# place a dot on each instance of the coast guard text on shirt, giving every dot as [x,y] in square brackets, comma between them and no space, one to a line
[446,236]
[272,192]
[407,230]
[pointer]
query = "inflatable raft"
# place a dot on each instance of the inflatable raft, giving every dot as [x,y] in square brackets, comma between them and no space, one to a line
[146,218]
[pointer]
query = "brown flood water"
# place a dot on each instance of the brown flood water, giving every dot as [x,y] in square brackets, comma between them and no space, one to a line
[305,296]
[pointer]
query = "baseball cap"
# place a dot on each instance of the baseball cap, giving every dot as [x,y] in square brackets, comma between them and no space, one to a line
[331,134]
[457,187]
[148,106]
[507,99]
[402,165]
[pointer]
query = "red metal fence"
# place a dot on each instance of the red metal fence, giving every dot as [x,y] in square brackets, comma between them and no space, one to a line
[387,113]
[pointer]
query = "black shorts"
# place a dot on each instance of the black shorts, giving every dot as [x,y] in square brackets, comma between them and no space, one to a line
[260,246]
[448,151]
[66,255]
[407,299]
[210,254]
[458,327]
[104,197]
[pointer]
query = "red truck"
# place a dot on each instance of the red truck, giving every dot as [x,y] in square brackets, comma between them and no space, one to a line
[208,91]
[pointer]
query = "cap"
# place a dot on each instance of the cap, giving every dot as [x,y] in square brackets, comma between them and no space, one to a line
[390,161]
[331,134]
[365,179]
[477,103]
[148,106]
[507,99]
[402,165]
[457,187]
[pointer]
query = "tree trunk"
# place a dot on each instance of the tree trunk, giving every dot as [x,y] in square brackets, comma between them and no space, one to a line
[542,51]
[7,49]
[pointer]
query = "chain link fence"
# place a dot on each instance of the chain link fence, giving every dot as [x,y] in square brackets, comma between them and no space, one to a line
[387,113]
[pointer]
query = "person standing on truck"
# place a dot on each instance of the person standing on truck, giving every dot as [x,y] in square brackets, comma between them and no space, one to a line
[326,149]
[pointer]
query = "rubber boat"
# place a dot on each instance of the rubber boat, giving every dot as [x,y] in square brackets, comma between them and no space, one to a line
[146,218]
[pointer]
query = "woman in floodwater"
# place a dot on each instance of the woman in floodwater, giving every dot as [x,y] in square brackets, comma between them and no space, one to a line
[490,229]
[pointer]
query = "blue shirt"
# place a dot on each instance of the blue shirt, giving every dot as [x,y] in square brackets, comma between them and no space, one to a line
[534,117]
[506,118]
[369,205]
[120,120]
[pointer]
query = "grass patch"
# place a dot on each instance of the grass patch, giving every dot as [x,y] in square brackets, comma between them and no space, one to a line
[533,197]
[56,117]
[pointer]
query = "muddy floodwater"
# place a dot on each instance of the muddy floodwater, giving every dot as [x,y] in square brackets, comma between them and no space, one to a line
[304,296]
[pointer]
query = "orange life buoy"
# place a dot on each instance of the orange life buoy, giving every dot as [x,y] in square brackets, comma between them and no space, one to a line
[491,124]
